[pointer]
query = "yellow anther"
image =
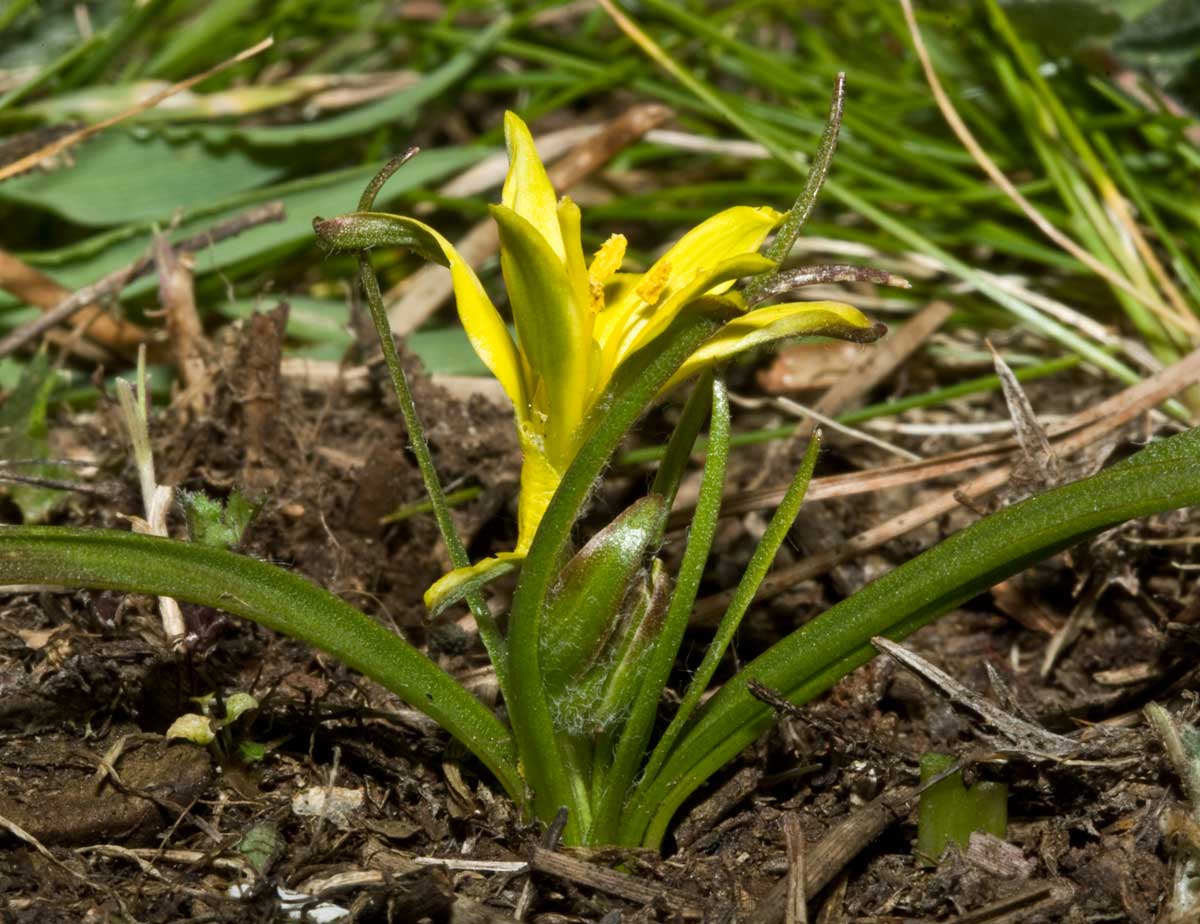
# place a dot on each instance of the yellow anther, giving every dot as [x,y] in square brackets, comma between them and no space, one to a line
[596,288]
[650,289]
[607,259]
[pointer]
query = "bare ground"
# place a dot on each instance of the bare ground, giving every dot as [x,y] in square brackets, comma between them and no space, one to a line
[105,820]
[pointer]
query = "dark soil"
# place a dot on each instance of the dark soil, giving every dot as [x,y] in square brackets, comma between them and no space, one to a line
[132,828]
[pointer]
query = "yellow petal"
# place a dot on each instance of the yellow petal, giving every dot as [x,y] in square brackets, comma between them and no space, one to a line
[737,231]
[552,326]
[454,585]
[569,222]
[539,481]
[527,190]
[774,323]
[484,327]
[634,324]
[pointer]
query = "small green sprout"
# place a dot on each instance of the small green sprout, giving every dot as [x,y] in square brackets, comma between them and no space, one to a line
[207,728]
[211,522]
[950,811]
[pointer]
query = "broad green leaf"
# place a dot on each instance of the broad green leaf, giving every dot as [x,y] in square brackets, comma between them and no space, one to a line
[326,194]
[120,177]
[401,109]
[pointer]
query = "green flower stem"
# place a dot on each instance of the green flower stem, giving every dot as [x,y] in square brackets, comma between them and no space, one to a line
[756,570]
[551,770]
[489,632]
[277,599]
[1163,476]
[631,746]
[419,508]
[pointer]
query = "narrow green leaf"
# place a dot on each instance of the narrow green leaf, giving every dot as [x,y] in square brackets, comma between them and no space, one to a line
[683,440]
[553,773]
[631,745]
[752,577]
[1163,476]
[277,599]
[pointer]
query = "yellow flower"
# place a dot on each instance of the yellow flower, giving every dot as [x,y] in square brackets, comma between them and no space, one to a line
[577,322]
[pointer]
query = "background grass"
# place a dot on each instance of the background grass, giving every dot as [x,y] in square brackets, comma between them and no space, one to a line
[1071,98]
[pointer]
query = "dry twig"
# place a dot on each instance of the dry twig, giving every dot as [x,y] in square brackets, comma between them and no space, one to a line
[115,281]
[1077,432]
[1024,735]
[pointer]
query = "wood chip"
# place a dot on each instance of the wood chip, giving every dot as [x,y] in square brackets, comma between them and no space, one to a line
[612,882]
[829,856]
[1016,909]
[997,857]
[797,908]
[741,785]
[1128,675]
